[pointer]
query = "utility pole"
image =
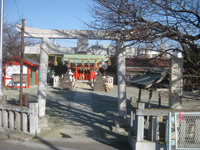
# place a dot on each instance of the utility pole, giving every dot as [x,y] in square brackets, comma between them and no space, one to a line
[21,62]
[1,48]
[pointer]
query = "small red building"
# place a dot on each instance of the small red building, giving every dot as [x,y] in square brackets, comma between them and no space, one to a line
[84,67]
[11,76]
[83,73]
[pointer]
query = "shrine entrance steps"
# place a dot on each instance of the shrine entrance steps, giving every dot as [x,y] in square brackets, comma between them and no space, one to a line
[85,84]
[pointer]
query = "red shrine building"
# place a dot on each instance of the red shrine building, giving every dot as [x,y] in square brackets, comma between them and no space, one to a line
[84,67]
[11,76]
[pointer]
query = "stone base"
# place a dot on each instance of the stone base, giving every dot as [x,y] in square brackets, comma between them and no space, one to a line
[175,102]
[122,122]
[43,122]
[87,85]
[145,144]
[67,86]
[99,87]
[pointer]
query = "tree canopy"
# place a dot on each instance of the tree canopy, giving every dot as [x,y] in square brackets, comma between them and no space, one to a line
[175,24]
[12,41]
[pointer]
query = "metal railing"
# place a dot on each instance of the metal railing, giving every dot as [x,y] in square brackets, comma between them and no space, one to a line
[187,130]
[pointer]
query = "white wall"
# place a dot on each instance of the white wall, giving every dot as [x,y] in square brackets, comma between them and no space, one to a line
[13,69]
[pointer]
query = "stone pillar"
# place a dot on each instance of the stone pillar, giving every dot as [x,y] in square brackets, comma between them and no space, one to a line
[176,83]
[43,78]
[82,43]
[121,80]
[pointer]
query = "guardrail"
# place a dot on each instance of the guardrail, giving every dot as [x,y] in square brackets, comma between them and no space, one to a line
[20,118]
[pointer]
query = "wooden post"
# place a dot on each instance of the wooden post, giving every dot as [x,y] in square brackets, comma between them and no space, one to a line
[21,62]
[153,128]
[139,95]
[159,100]
[140,124]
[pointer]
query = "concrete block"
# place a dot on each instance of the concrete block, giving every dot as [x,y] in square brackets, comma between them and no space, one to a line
[144,145]
[99,84]
[98,87]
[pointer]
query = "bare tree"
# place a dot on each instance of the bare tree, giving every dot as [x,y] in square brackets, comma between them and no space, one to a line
[175,23]
[12,41]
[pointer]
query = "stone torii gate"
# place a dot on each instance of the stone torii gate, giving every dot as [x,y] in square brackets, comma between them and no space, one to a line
[82,37]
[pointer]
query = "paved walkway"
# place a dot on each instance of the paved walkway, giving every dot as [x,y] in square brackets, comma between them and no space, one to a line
[80,117]
[85,118]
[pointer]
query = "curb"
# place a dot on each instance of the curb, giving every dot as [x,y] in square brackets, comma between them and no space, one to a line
[15,135]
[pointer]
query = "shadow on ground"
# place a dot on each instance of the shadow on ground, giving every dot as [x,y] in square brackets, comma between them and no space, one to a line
[92,118]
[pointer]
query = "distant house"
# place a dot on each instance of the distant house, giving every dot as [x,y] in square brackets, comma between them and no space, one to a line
[11,76]
[138,66]
[132,52]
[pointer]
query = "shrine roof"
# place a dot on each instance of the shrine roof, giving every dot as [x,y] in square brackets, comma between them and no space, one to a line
[31,61]
[150,78]
[79,58]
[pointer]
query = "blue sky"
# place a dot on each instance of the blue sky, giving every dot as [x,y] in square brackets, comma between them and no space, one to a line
[49,14]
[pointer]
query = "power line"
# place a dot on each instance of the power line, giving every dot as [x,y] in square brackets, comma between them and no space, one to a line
[17,8]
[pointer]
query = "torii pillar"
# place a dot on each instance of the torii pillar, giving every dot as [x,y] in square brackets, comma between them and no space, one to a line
[121,79]
[42,86]
[121,120]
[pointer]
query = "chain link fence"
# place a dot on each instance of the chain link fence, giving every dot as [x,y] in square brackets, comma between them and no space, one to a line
[187,130]
[184,128]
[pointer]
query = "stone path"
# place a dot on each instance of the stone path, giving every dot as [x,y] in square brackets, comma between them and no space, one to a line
[78,120]
[80,117]
[84,117]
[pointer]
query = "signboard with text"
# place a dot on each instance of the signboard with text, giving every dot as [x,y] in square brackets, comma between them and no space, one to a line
[16,78]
